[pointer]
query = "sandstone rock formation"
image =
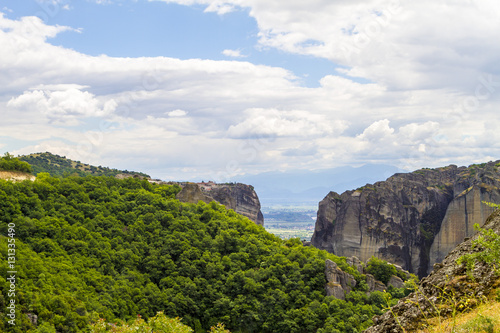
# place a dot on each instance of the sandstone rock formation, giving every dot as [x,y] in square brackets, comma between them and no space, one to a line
[239,197]
[16,176]
[412,220]
[374,285]
[192,193]
[339,283]
[447,276]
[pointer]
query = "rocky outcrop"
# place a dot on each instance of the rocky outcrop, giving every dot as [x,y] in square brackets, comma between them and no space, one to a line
[339,283]
[396,282]
[412,220]
[16,176]
[447,277]
[192,193]
[374,285]
[239,197]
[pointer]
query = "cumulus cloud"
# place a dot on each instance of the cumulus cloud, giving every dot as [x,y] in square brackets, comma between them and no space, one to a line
[177,113]
[233,53]
[419,132]
[393,42]
[199,117]
[377,131]
[63,106]
[275,123]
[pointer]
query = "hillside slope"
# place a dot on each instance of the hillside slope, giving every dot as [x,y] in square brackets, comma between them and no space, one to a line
[57,165]
[448,289]
[412,219]
[102,247]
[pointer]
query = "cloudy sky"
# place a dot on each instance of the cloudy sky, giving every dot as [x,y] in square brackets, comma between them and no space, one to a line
[212,89]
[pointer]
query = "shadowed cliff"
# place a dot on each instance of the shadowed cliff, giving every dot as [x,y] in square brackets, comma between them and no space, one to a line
[412,220]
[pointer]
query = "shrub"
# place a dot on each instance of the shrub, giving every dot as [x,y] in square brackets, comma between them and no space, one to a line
[380,269]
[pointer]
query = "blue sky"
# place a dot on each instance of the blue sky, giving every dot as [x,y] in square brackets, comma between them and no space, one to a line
[157,29]
[216,89]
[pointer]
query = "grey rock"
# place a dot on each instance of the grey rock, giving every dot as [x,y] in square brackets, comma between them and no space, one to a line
[412,219]
[396,282]
[339,283]
[241,198]
[452,278]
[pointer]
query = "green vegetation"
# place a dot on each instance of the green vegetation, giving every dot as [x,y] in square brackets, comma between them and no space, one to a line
[100,247]
[59,166]
[489,243]
[381,270]
[158,324]
[10,163]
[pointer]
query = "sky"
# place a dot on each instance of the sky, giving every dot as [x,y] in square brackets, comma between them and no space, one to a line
[217,89]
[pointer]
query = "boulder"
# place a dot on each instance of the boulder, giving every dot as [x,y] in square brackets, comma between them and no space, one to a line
[396,282]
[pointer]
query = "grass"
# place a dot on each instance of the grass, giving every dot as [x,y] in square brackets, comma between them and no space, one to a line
[484,318]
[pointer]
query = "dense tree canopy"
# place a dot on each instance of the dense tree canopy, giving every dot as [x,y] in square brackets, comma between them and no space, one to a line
[10,163]
[99,247]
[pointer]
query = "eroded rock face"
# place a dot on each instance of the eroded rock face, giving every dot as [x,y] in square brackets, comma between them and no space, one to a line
[192,193]
[412,220]
[239,197]
[339,283]
[16,176]
[447,276]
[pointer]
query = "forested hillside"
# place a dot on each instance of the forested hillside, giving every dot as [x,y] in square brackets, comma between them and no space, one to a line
[10,163]
[100,247]
[57,165]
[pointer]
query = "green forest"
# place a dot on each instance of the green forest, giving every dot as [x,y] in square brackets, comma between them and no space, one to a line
[10,163]
[96,249]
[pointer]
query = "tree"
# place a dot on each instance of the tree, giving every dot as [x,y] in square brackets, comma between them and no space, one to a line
[381,269]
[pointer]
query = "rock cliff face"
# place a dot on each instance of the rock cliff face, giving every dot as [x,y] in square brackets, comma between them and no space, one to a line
[412,220]
[239,197]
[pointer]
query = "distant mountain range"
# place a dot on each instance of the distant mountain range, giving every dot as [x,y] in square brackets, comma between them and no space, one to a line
[303,187]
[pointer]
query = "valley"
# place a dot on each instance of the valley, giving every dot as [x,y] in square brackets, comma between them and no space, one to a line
[290,221]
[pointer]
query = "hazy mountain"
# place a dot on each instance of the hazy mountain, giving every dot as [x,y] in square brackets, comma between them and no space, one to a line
[303,187]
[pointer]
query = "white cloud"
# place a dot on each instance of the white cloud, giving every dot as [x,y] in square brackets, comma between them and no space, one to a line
[398,43]
[419,132]
[244,116]
[63,106]
[233,53]
[377,131]
[177,113]
[275,123]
